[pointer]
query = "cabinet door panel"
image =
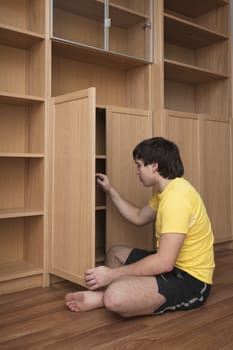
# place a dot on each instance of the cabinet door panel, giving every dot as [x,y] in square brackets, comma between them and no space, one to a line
[182,128]
[73,184]
[216,176]
[125,129]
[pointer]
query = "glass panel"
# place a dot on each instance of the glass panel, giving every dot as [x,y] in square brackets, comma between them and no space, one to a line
[79,21]
[130,31]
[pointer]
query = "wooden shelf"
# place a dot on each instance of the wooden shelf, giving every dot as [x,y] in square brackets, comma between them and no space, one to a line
[19,212]
[18,38]
[21,155]
[125,18]
[19,99]
[18,269]
[99,156]
[74,51]
[187,34]
[184,73]
[193,8]
[100,207]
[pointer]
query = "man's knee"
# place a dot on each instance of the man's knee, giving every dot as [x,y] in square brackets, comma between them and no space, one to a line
[117,255]
[113,251]
[113,299]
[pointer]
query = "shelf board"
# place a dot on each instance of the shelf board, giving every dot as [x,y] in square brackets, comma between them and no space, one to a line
[23,39]
[75,51]
[195,8]
[18,269]
[100,156]
[184,73]
[20,155]
[125,18]
[100,207]
[19,212]
[187,34]
[19,99]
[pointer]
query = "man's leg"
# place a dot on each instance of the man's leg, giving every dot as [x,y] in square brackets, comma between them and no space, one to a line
[133,296]
[117,256]
[84,300]
[90,300]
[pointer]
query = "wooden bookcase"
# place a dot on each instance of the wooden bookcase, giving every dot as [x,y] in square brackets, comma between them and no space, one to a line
[112,75]
[196,57]
[197,100]
[160,67]
[22,120]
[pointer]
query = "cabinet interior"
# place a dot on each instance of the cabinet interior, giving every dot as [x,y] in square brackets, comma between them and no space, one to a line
[21,249]
[23,125]
[100,197]
[100,237]
[19,73]
[196,57]
[24,14]
[21,184]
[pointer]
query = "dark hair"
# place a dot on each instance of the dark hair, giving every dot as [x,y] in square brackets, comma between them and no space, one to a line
[163,152]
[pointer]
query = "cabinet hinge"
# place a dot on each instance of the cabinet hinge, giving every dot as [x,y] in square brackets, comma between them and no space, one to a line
[107,22]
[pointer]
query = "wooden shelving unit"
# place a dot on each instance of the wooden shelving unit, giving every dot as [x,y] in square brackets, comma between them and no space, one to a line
[188,34]
[184,73]
[193,9]
[197,99]
[112,91]
[196,58]
[22,153]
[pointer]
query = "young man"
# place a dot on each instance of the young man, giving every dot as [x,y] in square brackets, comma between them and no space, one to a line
[179,273]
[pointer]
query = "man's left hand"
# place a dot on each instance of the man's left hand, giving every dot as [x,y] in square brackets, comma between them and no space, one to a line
[98,277]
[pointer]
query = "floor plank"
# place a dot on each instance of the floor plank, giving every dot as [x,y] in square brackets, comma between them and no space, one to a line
[37,319]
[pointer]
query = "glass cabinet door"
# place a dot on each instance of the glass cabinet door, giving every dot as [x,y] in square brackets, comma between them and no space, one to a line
[78,21]
[130,32]
[121,27]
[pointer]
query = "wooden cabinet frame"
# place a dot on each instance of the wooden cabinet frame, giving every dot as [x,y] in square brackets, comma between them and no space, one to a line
[79,234]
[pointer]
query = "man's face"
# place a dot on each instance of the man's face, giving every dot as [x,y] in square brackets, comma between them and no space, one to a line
[145,172]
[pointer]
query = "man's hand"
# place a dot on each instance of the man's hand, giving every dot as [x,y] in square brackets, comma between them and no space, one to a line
[103,181]
[98,277]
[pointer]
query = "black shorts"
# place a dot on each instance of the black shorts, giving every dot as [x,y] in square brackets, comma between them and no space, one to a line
[181,290]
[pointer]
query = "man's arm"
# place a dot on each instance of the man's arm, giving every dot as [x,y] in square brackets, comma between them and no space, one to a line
[161,262]
[137,216]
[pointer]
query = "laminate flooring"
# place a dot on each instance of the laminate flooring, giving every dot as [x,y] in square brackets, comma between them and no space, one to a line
[37,319]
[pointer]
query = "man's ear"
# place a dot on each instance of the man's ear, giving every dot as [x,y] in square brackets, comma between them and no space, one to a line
[155,167]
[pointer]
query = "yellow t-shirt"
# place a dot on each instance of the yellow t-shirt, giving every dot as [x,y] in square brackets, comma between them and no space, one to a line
[180,209]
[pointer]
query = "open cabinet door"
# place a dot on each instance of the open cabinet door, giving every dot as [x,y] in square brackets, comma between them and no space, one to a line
[73,185]
[125,129]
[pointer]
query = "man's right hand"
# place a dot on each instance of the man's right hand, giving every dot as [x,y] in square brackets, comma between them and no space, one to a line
[103,181]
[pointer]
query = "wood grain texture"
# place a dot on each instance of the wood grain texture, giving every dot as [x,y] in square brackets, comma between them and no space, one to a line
[38,319]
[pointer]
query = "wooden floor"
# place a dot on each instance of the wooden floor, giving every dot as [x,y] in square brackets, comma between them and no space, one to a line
[38,319]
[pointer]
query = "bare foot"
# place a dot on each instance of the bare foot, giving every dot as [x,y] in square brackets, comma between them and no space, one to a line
[84,301]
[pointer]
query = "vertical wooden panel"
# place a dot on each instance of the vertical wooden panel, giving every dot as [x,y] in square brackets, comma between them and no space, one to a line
[73,184]
[125,129]
[182,128]
[216,176]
